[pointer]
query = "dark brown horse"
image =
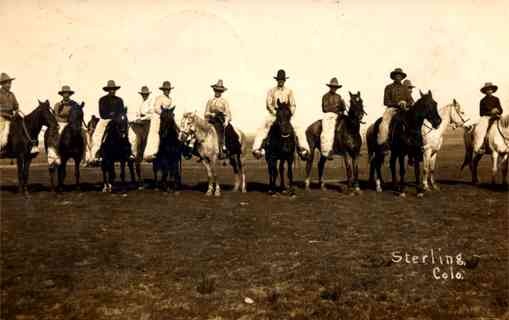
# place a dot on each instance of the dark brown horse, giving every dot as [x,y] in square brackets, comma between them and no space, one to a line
[71,145]
[23,135]
[347,142]
[405,139]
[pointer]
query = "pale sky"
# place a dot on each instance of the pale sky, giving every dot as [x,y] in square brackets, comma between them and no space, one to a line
[449,46]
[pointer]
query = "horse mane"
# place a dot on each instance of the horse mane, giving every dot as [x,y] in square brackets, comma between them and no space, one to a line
[504,122]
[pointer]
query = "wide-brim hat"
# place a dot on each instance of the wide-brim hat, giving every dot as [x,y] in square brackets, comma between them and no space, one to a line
[281,75]
[4,77]
[407,83]
[65,89]
[166,86]
[144,90]
[111,85]
[219,86]
[487,86]
[397,71]
[334,83]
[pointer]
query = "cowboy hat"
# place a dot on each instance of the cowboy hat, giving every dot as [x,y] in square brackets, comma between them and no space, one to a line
[333,83]
[397,71]
[407,83]
[219,86]
[65,89]
[487,86]
[4,77]
[281,75]
[166,86]
[144,90]
[111,85]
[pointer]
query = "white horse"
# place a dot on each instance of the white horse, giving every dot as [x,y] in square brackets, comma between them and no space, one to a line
[498,146]
[206,148]
[432,139]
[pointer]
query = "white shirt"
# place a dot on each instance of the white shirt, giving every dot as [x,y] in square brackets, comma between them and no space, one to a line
[218,105]
[162,102]
[145,109]
[283,94]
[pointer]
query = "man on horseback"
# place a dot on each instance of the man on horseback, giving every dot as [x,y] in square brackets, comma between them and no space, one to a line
[284,95]
[9,108]
[109,107]
[164,101]
[490,110]
[397,97]
[216,105]
[63,110]
[140,125]
[407,83]
[332,106]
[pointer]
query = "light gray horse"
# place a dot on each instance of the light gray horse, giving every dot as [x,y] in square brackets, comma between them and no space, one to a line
[206,148]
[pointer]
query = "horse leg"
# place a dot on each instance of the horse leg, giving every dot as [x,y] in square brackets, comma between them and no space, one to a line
[432,164]
[321,168]
[402,172]
[215,183]
[494,167]
[505,166]
[236,172]
[19,164]
[139,175]
[282,175]
[122,172]
[61,174]
[77,173]
[427,168]
[355,169]
[26,171]
[393,171]
[154,171]
[178,174]
[52,170]
[309,166]
[290,177]
[210,188]
[164,180]
[348,167]
[272,166]
[242,173]
[474,164]
[379,160]
[418,182]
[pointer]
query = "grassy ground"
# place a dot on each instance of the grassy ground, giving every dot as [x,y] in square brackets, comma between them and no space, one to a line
[323,255]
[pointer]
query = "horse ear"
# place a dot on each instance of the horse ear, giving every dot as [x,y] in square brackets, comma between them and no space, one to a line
[172,109]
[40,102]
[420,92]
[454,102]
[429,93]
[359,93]
[82,105]
[350,93]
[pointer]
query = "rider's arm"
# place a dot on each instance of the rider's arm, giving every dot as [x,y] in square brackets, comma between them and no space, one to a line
[323,103]
[104,113]
[291,100]
[270,103]
[388,97]
[207,113]
[498,106]
[341,105]
[228,113]
[15,104]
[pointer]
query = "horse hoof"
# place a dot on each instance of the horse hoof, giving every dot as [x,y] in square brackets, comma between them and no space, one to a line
[217,194]
[244,190]
[176,193]
[436,188]
[420,195]
[284,192]
[379,189]
[208,193]
[402,195]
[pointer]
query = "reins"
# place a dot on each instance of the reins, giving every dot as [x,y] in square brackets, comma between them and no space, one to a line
[25,129]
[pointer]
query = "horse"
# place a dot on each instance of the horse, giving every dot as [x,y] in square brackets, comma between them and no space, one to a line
[71,145]
[347,142]
[402,141]
[23,135]
[168,159]
[115,147]
[451,114]
[206,149]
[497,146]
[280,146]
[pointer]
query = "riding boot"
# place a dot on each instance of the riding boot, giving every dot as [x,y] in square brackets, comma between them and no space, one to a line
[35,148]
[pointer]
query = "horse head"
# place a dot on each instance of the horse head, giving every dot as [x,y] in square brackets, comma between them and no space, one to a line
[456,115]
[168,124]
[92,123]
[283,117]
[187,126]
[356,111]
[120,125]
[76,117]
[426,107]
